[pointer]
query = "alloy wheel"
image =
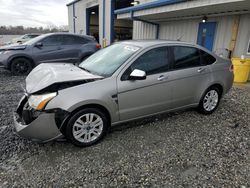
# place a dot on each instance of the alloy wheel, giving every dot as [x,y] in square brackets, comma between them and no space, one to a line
[211,100]
[87,128]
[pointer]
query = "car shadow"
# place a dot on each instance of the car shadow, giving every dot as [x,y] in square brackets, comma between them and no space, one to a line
[147,121]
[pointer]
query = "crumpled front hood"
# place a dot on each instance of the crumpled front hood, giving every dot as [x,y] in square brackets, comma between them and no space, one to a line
[45,75]
[13,47]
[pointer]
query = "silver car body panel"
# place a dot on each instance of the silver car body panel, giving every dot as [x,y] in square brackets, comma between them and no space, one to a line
[100,92]
[44,127]
[45,75]
[129,100]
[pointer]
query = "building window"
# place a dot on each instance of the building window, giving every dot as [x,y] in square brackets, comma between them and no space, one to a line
[248,49]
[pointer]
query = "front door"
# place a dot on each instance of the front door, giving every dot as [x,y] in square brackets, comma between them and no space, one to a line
[206,35]
[138,98]
[50,51]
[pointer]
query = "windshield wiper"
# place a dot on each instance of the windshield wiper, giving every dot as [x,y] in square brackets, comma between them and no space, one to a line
[86,70]
[90,72]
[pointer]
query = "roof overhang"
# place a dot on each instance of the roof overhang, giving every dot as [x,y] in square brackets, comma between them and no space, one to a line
[73,2]
[157,11]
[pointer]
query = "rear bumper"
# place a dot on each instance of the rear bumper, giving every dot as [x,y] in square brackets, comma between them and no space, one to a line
[42,128]
[229,84]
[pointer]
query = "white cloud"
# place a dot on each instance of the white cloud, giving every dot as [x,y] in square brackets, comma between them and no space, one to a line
[33,12]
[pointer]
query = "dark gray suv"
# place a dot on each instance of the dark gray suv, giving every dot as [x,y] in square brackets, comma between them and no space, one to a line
[47,48]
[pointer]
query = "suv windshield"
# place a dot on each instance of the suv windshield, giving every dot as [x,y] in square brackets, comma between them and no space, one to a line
[106,61]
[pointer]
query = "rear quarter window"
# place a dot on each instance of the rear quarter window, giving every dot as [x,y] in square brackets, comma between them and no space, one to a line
[206,58]
[74,40]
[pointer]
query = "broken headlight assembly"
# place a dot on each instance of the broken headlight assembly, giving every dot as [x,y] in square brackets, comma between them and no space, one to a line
[38,102]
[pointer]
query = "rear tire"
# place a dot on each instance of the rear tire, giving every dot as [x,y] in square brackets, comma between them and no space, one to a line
[210,101]
[87,127]
[21,66]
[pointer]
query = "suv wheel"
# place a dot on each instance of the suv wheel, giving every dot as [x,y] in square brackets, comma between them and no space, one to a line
[87,127]
[210,101]
[21,66]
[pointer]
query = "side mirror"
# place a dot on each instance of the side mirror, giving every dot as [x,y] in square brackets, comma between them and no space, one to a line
[39,44]
[137,75]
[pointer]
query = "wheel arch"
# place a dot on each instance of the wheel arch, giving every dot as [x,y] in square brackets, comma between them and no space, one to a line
[97,106]
[10,60]
[217,85]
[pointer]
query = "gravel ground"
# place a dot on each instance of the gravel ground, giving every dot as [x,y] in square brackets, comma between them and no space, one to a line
[183,149]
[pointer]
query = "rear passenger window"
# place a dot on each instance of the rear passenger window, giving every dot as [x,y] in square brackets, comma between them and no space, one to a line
[73,40]
[206,58]
[186,57]
[81,40]
[152,62]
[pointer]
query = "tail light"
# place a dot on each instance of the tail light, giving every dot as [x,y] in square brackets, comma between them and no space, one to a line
[98,46]
[231,68]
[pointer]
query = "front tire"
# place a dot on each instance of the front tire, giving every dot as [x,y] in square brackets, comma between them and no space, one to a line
[87,127]
[210,101]
[21,66]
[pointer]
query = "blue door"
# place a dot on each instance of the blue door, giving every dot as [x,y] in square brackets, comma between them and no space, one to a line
[206,35]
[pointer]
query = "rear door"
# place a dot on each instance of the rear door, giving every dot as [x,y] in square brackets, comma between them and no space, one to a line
[143,97]
[71,48]
[50,51]
[190,75]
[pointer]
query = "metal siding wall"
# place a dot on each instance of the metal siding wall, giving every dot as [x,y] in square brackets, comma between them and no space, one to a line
[182,6]
[80,13]
[187,30]
[70,18]
[243,37]
[143,30]
[100,21]
[107,21]
[223,31]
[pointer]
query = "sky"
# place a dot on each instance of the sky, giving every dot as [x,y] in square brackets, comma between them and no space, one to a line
[34,13]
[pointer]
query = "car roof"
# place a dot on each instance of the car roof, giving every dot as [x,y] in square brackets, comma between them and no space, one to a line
[69,34]
[148,43]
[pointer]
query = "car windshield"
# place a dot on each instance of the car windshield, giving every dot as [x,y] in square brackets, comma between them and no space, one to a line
[106,61]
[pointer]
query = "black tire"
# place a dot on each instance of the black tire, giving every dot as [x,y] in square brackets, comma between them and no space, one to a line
[202,107]
[21,66]
[70,127]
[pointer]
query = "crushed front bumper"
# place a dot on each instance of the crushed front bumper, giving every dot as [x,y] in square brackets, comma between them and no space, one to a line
[34,125]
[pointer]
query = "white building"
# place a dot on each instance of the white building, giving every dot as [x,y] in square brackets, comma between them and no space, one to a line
[219,25]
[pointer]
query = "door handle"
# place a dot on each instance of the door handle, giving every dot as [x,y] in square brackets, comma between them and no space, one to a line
[162,77]
[200,70]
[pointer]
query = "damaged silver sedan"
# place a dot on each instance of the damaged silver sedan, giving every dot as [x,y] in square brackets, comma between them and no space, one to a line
[123,82]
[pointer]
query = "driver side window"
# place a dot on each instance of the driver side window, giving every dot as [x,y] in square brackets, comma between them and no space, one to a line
[152,62]
[52,41]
